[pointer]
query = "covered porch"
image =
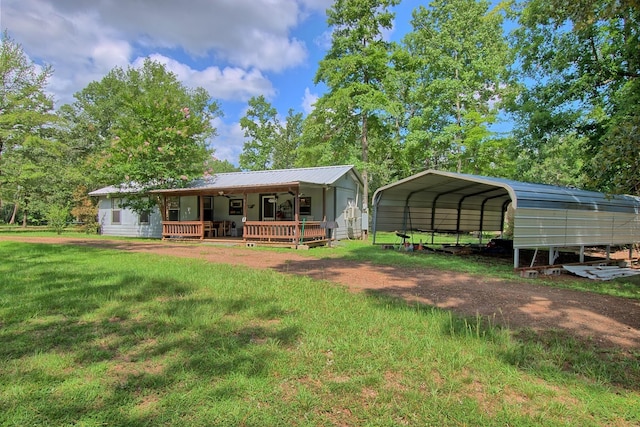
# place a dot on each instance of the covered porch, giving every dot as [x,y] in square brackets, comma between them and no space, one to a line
[273,215]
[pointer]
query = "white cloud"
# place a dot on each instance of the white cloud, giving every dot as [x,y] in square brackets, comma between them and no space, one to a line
[324,40]
[248,33]
[228,47]
[318,5]
[308,101]
[240,40]
[229,142]
[225,84]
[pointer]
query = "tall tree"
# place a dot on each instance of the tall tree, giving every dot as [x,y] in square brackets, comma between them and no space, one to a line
[272,144]
[582,62]
[144,128]
[353,70]
[461,75]
[25,121]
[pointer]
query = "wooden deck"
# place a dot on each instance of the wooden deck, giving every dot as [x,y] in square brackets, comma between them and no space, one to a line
[271,232]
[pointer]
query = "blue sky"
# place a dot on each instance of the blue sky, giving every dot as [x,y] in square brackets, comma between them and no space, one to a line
[233,48]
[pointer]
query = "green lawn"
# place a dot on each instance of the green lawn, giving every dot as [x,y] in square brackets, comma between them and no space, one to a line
[100,337]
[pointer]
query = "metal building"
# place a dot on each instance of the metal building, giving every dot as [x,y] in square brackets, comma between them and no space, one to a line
[544,216]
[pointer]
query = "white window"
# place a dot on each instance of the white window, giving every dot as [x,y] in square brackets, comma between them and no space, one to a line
[115,211]
[173,208]
[305,205]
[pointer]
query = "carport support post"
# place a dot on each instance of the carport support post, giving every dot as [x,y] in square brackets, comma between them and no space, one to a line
[581,254]
[608,252]
[516,258]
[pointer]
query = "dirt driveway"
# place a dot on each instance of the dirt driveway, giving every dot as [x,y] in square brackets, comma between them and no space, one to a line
[607,321]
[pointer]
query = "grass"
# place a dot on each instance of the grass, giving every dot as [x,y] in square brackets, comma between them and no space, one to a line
[364,251]
[100,337]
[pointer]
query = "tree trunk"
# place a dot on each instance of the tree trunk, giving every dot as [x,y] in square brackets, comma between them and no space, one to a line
[365,174]
[13,215]
[365,160]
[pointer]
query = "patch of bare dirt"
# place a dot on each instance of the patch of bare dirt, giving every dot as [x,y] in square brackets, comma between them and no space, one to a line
[519,303]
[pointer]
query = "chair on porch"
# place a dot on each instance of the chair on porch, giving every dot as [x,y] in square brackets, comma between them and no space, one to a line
[209,229]
[224,228]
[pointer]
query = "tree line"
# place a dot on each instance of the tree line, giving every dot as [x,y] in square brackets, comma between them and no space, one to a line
[562,73]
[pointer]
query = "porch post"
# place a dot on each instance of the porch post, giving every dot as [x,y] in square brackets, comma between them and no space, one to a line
[163,208]
[324,203]
[201,202]
[296,216]
[245,212]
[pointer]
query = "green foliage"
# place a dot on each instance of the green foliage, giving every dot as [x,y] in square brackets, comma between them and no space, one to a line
[57,218]
[354,70]
[29,157]
[581,62]
[461,74]
[143,128]
[214,165]
[271,145]
[85,210]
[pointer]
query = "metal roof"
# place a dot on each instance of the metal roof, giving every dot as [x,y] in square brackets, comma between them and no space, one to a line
[115,189]
[543,215]
[455,190]
[324,175]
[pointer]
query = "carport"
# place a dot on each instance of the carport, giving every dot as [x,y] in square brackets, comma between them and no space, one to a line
[544,216]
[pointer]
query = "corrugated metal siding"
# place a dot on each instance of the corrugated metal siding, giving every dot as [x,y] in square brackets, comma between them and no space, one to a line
[558,228]
[349,225]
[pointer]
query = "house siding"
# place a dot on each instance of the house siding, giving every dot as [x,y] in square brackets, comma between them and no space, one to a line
[129,225]
[348,217]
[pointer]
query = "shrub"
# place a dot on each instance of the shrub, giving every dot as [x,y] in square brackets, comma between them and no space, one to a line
[57,217]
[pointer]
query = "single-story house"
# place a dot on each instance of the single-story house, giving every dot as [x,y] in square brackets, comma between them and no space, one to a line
[544,216]
[289,206]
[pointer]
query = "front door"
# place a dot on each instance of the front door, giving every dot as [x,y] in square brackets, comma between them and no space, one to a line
[269,208]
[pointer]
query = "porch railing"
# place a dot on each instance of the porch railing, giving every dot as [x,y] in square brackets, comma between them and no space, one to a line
[182,229]
[264,231]
[283,231]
